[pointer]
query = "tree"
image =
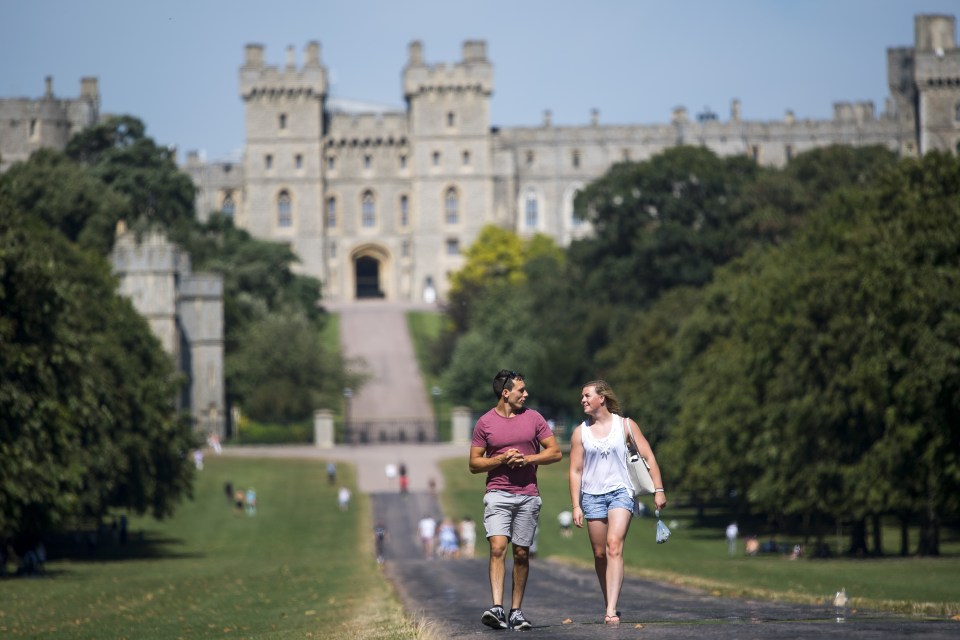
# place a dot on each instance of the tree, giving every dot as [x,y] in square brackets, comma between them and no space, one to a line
[122,156]
[824,377]
[87,421]
[281,372]
[66,197]
[658,224]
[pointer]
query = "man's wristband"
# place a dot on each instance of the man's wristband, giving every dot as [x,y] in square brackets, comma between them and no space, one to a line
[659,491]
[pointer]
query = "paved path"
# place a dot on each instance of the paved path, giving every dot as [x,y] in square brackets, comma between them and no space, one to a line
[376,332]
[451,594]
[561,601]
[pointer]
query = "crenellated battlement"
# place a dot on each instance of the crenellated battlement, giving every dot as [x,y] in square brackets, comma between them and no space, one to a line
[258,79]
[472,74]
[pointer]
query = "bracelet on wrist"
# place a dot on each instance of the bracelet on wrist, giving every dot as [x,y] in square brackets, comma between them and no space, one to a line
[659,491]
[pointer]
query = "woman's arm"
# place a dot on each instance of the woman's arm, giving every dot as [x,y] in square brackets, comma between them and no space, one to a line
[646,452]
[576,475]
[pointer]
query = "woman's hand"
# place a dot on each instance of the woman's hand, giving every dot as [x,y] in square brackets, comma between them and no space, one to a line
[578,516]
[660,500]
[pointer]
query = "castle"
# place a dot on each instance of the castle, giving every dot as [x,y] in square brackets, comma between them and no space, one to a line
[380,203]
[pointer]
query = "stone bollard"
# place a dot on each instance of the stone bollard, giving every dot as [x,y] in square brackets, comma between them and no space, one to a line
[461,429]
[323,428]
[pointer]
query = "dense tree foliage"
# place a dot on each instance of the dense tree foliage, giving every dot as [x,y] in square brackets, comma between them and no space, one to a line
[120,154]
[824,377]
[87,421]
[66,197]
[785,336]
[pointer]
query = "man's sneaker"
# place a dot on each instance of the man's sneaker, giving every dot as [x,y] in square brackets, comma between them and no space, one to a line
[495,618]
[518,622]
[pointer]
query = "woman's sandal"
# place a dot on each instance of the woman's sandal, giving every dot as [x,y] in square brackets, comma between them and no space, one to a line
[611,620]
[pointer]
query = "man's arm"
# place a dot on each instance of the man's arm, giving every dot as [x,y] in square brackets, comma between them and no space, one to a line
[549,453]
[480,463]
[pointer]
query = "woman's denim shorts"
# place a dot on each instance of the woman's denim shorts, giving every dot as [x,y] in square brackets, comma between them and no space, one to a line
[596,507]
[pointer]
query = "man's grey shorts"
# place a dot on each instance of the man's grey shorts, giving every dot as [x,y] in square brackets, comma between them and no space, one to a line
[511,515]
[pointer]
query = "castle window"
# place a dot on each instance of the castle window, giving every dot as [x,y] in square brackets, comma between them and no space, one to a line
[331,212]
[403,161]
[405,249]
[228,207]
[298,161]
[531,209]
[451,206]
[956,113]
[331,163]
[367,161]
[576,219]
[450,119]
[466,158]
[34,129]
[404,211]
[268,161]
[436,158]
[789,152]
[626,155]
[575,159]
[529,159]
[283,121]
[368,210]
[755,152]
[284,210]
[453,247]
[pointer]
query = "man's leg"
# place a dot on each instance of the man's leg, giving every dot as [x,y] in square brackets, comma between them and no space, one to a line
[521,569]
[498,552]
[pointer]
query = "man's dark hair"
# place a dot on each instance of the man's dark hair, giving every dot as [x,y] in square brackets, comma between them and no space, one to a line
[504,380]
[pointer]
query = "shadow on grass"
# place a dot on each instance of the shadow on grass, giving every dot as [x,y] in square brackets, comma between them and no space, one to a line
[87,547]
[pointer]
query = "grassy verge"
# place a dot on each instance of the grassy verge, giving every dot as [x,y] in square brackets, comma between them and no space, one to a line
[299,568]
[698,557]
[424,327]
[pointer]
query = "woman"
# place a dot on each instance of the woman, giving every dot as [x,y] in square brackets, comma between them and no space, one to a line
[600,488]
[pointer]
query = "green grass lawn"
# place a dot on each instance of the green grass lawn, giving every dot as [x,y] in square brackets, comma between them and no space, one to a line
[424,327]
[698,556]
[300,568]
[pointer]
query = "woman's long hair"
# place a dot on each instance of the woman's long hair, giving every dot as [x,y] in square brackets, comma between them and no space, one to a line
[604,389]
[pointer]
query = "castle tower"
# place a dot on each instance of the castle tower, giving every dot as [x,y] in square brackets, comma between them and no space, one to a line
[925,87]
[185,312]
[282,165]
[45,123]
[452,169]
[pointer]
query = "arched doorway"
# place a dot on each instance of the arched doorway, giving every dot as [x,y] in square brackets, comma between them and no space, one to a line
[367,277]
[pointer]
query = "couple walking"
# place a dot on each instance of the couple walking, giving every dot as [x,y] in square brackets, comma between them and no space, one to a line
[509,443]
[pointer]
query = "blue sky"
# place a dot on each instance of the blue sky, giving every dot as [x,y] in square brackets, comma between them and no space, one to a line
[175,63]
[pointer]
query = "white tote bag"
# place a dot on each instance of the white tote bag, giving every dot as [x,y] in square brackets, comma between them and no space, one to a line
[637,467]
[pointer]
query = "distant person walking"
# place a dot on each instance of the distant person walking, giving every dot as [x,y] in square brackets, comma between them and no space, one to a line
[427,530]
[251,502]
[343,498]
[468,537]
[732,532]
[509,443]
[331,473]
[600,488]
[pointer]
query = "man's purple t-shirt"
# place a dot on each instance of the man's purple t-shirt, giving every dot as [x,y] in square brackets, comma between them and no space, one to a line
[523,432]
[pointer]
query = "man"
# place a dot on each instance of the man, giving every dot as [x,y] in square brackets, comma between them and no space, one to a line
[509,442]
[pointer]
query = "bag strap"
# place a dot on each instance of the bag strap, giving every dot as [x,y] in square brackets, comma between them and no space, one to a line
[628,436]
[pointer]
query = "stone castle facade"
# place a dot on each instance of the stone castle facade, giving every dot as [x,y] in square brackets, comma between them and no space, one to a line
[380,203]
[185,311]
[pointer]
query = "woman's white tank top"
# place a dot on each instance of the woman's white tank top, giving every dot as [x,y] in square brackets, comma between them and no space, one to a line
[604,460]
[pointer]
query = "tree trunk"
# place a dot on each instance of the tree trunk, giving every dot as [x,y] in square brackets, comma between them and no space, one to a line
[858,538]
[904,535]
[877,535]
[929,534]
